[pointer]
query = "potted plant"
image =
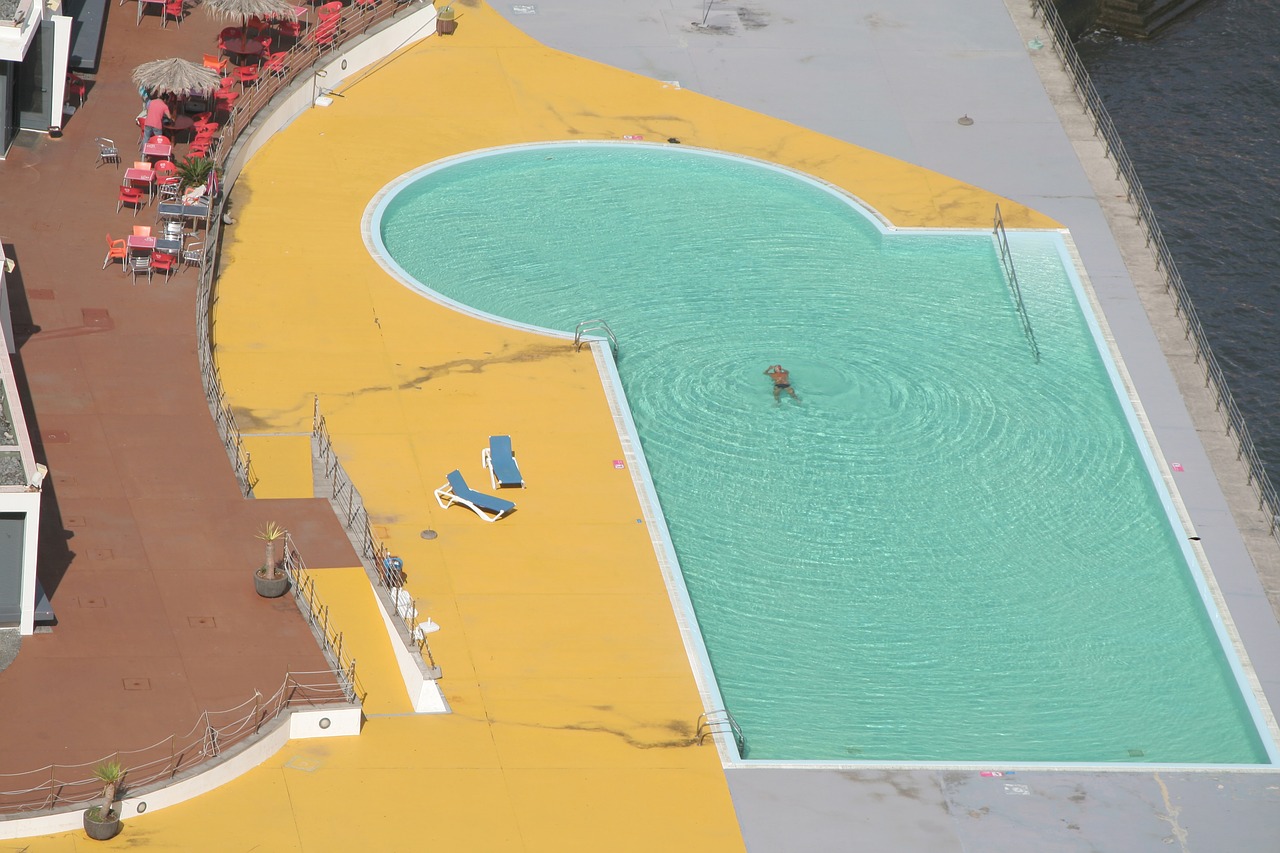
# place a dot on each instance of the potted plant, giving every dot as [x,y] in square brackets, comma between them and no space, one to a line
[103,820]
[269,580]
[446,21]
[194,171]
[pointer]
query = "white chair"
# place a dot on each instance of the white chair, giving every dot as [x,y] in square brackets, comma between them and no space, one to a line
[405,606]
[107,152]
[193,254]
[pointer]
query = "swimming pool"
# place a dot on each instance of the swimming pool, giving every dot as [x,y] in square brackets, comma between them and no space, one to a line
[945,550]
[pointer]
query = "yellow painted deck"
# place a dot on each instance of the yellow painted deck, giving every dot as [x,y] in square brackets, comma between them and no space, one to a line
[574,704]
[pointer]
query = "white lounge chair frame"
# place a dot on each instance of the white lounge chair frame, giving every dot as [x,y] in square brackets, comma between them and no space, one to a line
[447,497]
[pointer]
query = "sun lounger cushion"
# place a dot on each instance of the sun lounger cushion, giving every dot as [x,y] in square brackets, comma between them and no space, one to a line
[456,491]
[501,462]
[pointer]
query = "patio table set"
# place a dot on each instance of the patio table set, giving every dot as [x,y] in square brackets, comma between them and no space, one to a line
[173,243]
[165,248]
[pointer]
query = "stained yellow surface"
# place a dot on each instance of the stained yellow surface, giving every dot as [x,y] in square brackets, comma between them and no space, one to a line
[573,701]
[280,465]
[353,611]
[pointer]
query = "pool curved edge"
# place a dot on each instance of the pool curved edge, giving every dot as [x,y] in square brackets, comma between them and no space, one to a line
[372,237]
[1196,560]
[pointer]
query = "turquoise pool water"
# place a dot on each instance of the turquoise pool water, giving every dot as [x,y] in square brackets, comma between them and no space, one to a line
[945,550]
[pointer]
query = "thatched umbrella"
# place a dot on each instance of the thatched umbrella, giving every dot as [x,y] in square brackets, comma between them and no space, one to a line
[246,9]
[176,77]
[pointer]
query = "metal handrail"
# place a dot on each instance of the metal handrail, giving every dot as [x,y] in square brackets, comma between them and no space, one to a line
[223,417]
[303,586]
[59,787]
[375,556]
[300,61]
[1011,277]
[1215,379]
[720,720]
[580,333]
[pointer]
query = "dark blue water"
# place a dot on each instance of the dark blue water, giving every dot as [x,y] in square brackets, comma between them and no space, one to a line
[1198,109]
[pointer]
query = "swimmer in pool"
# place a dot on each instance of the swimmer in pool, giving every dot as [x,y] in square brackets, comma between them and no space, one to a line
[781,382]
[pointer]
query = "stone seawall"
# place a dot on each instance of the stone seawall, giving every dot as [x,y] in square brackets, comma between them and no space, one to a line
[1133,18]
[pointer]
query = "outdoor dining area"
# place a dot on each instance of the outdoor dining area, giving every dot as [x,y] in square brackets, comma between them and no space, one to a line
[186,108]
[180,187]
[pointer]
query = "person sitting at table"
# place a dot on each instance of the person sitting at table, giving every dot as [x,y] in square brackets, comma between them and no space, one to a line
[157,114]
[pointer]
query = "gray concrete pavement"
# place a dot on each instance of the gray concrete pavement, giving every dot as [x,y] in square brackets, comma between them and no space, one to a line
[896,77]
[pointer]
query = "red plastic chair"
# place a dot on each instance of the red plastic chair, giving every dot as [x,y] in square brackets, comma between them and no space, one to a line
[166,173]
[218,64]
[115,249]
[277,63]
[163,262]
[289,29]
[247,74]
[327,33]
[231,33]
[175,9]
[130,195]
[226,100]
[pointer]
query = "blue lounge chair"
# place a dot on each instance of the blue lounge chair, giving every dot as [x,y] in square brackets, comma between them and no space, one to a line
[456,491]
[501,462]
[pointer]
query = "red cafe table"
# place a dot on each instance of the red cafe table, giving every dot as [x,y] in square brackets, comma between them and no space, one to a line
[243,48]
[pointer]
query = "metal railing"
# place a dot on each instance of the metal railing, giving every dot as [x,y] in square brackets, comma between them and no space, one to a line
[61,786]
[1011,277]
[349,506]
[300,61]
[582,331]
[223,417]
[720,721]
[303,586]
[1214,378]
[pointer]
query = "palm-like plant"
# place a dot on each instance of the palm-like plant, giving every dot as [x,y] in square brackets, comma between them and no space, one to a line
[110,774]
[194,171]
[271,533]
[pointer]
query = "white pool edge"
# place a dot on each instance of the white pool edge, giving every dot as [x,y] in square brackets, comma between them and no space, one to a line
[1196,560]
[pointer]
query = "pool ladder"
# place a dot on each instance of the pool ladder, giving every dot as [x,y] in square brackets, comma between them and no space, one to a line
[721,721]
[1011,278]
[580,333]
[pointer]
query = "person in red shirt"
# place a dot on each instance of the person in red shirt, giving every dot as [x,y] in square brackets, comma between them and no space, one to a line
[157,114]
